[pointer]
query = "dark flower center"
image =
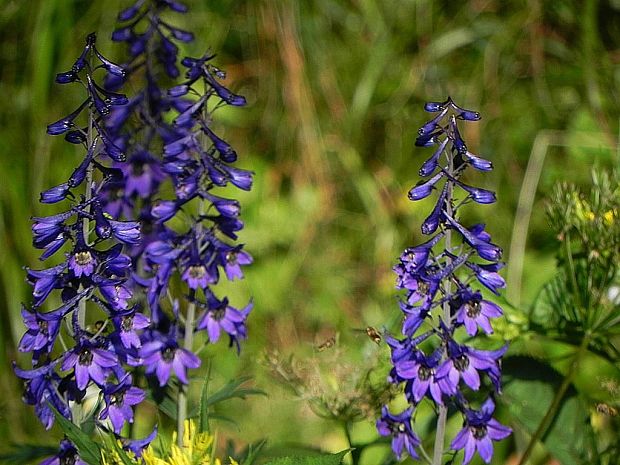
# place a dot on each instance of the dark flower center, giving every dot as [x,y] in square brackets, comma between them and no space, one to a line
[197,271]
[68,460]
[423,287]
[83,258]
[117,398]
[137,169]
[478,431]
[396,428]
[231,257]
[425,373]
[461,362]
[472,308]
[86,357]
[168,354]
[218,313]
[127,323]
[43,325]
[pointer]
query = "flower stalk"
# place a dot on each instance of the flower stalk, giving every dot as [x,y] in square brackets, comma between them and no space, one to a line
[432,361]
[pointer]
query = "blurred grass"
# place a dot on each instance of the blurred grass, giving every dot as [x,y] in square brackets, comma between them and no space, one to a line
[335,90]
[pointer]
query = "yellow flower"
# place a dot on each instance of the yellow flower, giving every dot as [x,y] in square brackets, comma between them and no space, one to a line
[196,449]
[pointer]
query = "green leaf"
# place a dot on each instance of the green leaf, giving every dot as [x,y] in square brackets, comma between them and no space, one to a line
[88,449]
[253,451]
[528,394]
[166,404]
[112,444]
[203,419]
[27,453]
[230,390]
[324,459]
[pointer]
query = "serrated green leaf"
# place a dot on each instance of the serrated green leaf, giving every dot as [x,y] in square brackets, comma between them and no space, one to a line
[88,449]
[323,459]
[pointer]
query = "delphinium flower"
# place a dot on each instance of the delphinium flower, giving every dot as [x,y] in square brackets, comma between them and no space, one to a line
[442,306]
[168,132]
[83,342]
[141,128]
[187,153]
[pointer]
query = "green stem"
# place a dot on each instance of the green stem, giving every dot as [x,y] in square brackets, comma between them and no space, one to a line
[188,342]
[557,400]
[85,221]
[442,418]
[355,452]
[182,399]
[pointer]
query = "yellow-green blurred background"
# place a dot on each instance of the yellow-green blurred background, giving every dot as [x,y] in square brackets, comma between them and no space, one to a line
[335,91]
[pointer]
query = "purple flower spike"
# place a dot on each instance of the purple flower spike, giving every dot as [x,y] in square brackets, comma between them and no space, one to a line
[475,312]
[233,260]
[138,445]
[119,399]
[223,317]
[465,362]
[41,334]
[421,371]
[89,362]
[55,194]
[162,356]
[437,278]
[67,454]
[479,430]
[424,189]
[127,327]
[399,427]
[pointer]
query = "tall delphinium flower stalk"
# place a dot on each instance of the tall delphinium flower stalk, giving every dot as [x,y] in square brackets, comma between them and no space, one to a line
[443,310]
[89,341]
[174,138]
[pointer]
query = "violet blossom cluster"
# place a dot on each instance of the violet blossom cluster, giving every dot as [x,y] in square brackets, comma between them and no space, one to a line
[167,131]
[443,309]
[90,340]
[123,259]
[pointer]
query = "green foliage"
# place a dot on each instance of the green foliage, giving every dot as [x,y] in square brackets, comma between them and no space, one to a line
[574,328]
[89,450]
[324,459]
[335,91]
[530,388]
[23,454]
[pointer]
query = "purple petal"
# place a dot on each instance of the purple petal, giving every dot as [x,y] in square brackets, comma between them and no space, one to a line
[490,309]
[81,376]
[419,388]
[460,440]
[485,449]
[117,418]
[470,448]
[497,431]
[180,370]
[163,372]
[471,377]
